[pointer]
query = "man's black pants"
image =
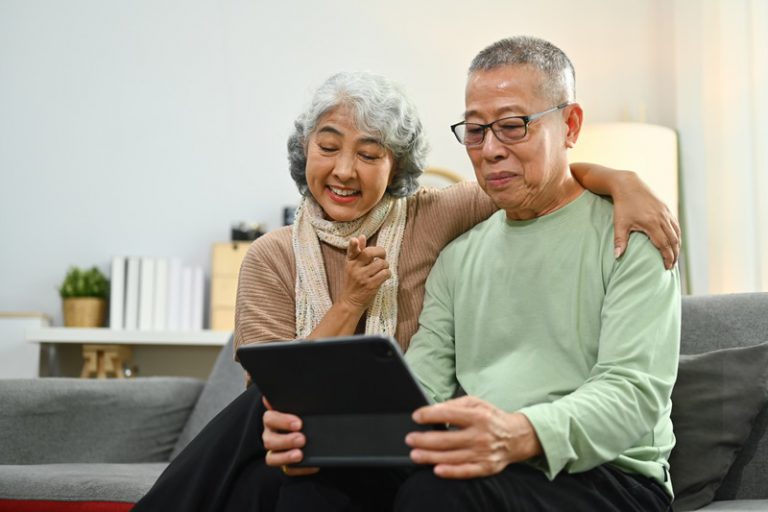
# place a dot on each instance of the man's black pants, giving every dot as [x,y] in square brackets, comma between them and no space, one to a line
[223,469]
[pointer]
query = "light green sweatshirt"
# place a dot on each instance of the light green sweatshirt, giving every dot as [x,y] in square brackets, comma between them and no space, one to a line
[539,317]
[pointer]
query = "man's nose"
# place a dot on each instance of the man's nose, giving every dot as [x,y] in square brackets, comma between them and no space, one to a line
[492,147]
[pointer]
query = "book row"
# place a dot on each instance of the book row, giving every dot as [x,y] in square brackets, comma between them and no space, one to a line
[156,294]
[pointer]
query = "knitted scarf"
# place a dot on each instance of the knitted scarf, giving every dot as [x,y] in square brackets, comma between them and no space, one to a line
[312,297]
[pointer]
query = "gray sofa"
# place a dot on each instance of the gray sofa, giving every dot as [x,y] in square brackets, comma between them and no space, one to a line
[64,440]
[101,443]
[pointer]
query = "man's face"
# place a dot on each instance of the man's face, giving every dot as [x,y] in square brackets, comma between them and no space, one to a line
[524,178]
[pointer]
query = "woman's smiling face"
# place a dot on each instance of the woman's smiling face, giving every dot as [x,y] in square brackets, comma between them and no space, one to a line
[348,170]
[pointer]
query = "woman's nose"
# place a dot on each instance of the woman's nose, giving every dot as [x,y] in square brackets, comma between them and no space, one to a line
[344,169]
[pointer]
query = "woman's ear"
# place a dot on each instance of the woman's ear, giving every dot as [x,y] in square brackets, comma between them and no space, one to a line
[574,119]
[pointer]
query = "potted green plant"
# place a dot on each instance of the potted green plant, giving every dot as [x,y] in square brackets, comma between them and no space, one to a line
[84,294]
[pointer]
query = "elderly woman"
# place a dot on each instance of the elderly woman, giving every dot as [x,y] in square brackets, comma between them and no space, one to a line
[355,260]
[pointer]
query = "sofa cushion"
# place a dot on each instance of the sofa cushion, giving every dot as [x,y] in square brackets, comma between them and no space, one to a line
[85,483]
[747,476]
[48,421]
[715,401]
[711,322]
[737,506]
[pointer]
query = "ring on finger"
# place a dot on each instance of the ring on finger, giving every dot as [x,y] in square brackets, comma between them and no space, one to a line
[284,469]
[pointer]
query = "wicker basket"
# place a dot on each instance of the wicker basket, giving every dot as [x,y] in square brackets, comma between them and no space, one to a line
[84,312]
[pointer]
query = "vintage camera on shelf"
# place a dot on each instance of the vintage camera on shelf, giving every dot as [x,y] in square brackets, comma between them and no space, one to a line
[247,232]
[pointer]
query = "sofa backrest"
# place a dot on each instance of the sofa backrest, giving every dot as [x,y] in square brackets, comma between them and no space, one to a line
[225,383]
[735,320]
[50,421]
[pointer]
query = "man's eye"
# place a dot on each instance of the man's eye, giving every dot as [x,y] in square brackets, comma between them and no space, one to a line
[511,126]
[473,129]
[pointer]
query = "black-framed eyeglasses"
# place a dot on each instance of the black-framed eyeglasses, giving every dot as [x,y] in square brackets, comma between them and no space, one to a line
[507,129]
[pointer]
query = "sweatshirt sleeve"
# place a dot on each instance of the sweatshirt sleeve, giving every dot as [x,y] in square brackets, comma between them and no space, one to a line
[431,354]
[629,387]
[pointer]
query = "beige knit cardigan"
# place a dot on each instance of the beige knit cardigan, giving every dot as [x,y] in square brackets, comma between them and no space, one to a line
[265,293]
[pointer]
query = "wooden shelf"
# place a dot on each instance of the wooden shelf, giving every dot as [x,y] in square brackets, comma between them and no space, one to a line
[121,337]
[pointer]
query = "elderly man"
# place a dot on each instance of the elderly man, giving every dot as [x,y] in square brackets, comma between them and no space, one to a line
[567,354]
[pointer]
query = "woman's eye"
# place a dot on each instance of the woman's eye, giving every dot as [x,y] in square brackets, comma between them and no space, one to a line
[368,157]
[327,149]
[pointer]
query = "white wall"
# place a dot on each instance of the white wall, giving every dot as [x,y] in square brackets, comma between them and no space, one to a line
[147,127]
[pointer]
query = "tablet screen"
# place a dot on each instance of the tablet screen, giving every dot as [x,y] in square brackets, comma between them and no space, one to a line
[361,374]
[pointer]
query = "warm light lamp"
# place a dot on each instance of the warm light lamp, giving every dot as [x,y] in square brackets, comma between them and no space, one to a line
[649,150]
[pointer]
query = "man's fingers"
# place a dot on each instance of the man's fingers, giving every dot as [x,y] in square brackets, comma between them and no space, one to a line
[440,439]
[433,457]
[458,411]
[462,471]
[461,416]
[468,401]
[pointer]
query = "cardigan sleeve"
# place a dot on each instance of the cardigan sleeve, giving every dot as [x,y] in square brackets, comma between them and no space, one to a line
[265,309]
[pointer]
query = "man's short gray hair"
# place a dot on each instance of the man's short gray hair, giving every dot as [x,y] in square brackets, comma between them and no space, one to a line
[380,108]
[559,84]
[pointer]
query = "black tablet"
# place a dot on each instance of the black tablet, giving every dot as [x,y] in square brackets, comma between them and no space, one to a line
[355,396]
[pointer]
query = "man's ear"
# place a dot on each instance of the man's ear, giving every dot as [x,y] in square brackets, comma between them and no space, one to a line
[574,119]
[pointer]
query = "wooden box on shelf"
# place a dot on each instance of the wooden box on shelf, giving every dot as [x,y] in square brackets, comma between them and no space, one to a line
[225,267]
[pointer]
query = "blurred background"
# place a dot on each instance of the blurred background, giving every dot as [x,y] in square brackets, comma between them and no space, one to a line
[140,127]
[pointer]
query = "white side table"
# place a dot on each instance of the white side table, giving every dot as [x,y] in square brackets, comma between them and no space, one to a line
[96,343]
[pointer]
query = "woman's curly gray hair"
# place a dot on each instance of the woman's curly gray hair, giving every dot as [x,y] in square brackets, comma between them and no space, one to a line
[381,109]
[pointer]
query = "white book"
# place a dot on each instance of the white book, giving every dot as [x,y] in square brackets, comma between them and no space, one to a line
[160,315]
[117,293]
[198,292]
[146,294]
[174,295]
[132,294]
[185,317]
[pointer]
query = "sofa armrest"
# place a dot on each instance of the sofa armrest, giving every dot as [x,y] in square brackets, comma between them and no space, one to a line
[46,421]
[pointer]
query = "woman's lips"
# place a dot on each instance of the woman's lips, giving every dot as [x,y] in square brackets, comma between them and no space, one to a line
[341,199]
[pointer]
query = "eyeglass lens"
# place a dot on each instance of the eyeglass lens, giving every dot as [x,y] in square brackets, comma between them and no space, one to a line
[507,130]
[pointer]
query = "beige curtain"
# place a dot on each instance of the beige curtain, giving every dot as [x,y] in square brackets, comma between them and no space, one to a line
[721,93]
